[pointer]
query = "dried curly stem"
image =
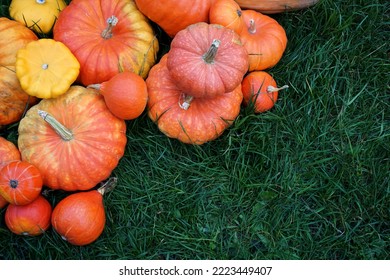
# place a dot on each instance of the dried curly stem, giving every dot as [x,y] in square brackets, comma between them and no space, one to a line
[108,186]
[273,89]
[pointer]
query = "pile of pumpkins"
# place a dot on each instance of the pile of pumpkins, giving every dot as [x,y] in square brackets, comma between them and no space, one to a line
[72,75]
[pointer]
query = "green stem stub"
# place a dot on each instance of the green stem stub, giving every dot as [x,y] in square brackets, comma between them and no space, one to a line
[209,56]
[58,127]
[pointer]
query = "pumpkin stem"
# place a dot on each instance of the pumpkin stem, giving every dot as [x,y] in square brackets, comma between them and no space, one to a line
[111,22]
[95,86]
[108,186]
[40,1]
[252,26]
[209,56]
[273,89]
[186,101]
[59,128]
[13,183]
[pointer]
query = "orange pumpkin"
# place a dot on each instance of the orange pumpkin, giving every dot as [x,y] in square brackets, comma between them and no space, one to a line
[264,39]
[31,219]
[107,37]
[175,15]
[20,182]
[125,94]
[8,151]
[189,119]
[259,88]
[13,100]
[80,217]
[275,6]
[74,139]
[227,13]
[207,59]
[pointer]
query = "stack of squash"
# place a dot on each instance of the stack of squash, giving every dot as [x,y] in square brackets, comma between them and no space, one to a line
[73,75]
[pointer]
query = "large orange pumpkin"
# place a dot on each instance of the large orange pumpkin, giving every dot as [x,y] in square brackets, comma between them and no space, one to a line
[207,59]
[13,100]
[189,119]
[107,37]
[175,15]
[264,39]
[74,140]
[275,6]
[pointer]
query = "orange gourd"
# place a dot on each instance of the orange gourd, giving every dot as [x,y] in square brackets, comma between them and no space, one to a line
[80,217]
[264,39]
[8,151]
[259,88]
[125,95]
[20,182]
[227,13]
[32,219]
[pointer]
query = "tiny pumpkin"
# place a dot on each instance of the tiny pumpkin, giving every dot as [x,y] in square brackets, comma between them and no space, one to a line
[80,217]
[227,13]
[264,39]
[259,88]
[39,15]
[191,120]
[32,219]
[46,68]
[207,59]
[125,95]
[74,139]
[20,182]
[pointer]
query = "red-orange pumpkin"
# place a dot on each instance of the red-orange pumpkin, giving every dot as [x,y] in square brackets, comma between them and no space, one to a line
[175,15]
[20,182]
[264,39]
[259,88]
[74,139]
[31,219]
[107,37]
[189,119]
[8,151]
[80,217]
[125,95]
[207,59]
[227,13]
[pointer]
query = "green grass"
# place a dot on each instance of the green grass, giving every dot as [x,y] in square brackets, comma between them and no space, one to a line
[307,180]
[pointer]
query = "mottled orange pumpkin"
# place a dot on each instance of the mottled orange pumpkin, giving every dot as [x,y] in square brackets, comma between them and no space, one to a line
[13,100]
[74,139]
[189,119]
[31,219]
[107,37]
[8,151]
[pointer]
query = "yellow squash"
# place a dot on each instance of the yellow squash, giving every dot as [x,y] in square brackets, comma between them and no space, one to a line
[46,68]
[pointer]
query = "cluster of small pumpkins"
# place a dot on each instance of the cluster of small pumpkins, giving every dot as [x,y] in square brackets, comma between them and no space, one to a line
[72,75]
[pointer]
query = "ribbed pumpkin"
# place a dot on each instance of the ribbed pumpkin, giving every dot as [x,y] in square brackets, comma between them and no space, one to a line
[74,140]
[175,15]
[13,100]
[275,6]
[8,151]
[189,119]
[107,37]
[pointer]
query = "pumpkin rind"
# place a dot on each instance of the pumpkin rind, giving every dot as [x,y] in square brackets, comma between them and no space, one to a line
[20,182]
[80,217]
[275,6]
[97,144]
[204,120]
[107,37]
[190,67]
[13,99]
[264,39]
[46,68]
[38,15]
[8,152]
[32,219]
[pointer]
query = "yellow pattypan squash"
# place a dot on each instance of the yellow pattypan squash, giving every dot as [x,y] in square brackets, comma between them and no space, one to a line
[46,68]
[39,15]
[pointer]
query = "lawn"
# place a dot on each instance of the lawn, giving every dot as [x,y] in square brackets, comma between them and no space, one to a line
[306,180]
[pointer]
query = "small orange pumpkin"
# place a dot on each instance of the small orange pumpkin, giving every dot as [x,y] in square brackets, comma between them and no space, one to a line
[31,219]
[227,13]
[125,95]
[8,151]
[20,182]
[259,88]
[80,217]
[264,39]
